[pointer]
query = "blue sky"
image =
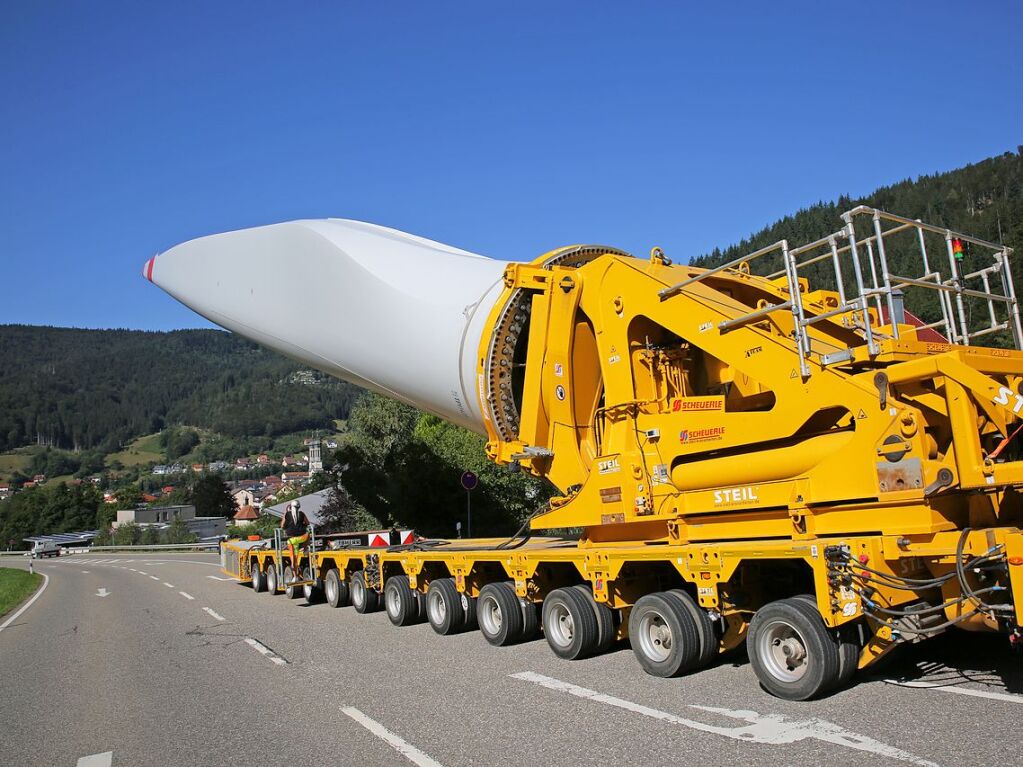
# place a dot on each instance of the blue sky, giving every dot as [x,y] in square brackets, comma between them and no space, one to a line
[504,128]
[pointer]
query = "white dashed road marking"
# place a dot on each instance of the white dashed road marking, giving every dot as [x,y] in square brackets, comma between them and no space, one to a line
[154,577]
[771,729]
[14,616]
[214,614]
[85,571]
[102,593]
[215,578]
[262,649]
[403,747]
[1006,697]
[168,585]
[97,760]
[142,572]
[186,595]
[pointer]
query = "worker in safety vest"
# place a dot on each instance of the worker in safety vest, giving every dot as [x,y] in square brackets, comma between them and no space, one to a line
[296,527]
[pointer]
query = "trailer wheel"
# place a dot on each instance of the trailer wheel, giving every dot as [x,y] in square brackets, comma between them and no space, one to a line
[258,577]
[444,608]
[706,629]
[570,624]
[605,620]
[499,614]
[313,594]
[400,601]
[663,635]
[272,586]
[791,651]
[291,592]
[469,622]
[530,620]
[336,590]
[364,599]
[848,640]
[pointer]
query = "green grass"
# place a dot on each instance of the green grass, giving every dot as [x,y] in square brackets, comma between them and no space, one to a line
[15,587]
[14,462]
[143,450]
[54,481]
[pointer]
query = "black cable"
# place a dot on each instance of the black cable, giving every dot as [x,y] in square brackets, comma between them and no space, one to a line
[932,629]
[519,533]
[900,586]
[928,610]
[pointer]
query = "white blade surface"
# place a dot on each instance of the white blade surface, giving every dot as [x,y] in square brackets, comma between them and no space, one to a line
[383,309]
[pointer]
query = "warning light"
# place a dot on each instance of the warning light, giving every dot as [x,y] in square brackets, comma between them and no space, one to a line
[863,559]
[1016,561]
[957,248]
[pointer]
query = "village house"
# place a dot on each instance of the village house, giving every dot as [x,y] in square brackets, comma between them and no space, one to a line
[245,517]
[294,476]
[263,459]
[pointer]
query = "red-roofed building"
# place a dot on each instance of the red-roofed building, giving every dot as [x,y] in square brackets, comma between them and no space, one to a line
[245,516]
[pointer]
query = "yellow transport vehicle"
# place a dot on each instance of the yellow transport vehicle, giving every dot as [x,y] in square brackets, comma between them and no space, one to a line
[776,452]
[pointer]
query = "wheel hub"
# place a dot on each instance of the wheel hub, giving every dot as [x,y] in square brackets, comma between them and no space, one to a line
[783,651]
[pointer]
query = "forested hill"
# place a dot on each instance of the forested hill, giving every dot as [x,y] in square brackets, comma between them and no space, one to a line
[85,389]
[980,199]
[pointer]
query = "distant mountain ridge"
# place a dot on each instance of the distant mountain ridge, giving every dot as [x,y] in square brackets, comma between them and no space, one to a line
[98,389]
[984,199]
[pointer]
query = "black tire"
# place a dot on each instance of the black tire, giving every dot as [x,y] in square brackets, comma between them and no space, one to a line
[258,577]
[792,652]
[848,638]
[313,594]
[469,622]
[530,620]
[273,586]
[335,590]
[605,620]
[706,629]
[444,607]
[364,599]
[570,624]
[400,601]
[499,614]
[291,592]
[663,635]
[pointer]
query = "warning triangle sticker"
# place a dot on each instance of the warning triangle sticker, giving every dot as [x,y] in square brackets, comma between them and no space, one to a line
[793,374]
[861,415]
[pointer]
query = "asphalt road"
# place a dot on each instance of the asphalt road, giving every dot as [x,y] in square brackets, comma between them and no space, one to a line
[173,666]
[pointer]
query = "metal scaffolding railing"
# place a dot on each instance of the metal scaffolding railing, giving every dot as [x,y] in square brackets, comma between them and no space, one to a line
[958,292]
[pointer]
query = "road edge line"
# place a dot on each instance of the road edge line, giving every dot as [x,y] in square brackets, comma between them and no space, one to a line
[17,613]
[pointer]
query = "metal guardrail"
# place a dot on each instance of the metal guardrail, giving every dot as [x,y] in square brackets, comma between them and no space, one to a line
[206,546]
[160,547]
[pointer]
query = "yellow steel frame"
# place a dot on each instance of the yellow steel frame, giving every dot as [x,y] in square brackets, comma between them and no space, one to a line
[696,456]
